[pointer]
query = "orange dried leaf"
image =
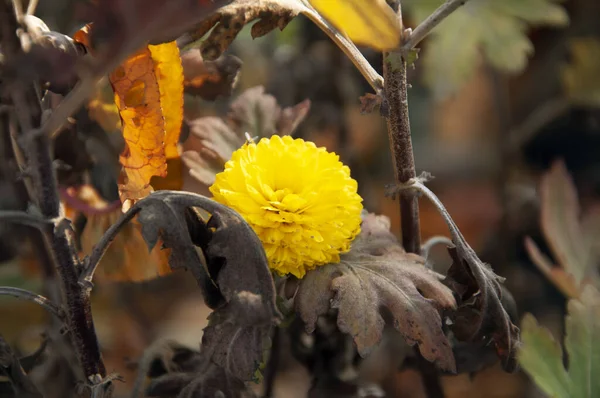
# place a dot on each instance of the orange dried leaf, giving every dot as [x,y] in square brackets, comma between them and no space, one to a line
[128,257]
[148,90]
[138,98]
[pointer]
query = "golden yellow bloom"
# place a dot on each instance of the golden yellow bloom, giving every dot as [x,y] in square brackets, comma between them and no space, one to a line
[299,199]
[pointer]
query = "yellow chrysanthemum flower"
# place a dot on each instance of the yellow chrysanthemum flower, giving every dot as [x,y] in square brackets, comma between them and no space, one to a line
[299,199]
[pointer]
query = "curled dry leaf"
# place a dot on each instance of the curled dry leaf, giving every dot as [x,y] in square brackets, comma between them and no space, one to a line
[480,315]
[128,258]
[10,368]
[369,102]
[368,22]
[209,381]
[229,20]
[231,267]
[48,57]
[209,79]
[149,95]
[116,33]
[377,273]
[176,370]
[212,140]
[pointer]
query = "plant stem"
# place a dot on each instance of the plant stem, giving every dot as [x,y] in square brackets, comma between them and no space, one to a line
[33,297]
[21,217]
[59,237]
[359,61]
[87,274]
[396,96]
[272,364]
[430,23]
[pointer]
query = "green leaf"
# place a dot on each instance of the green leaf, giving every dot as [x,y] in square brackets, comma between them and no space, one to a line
[541,357]
[493,29]
[583,344]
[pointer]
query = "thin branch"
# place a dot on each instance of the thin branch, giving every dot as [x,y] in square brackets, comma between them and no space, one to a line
[416,184]
[42,301]
[18,8]
[91,263]
[31,7]
[399,135]
[272,364]
[430,23]
[22,217]
[434,241]
[359,61]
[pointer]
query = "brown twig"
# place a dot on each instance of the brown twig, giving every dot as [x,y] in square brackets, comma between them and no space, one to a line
[21,217]
[91,263]
[33,297]
[396,96]
[425,27]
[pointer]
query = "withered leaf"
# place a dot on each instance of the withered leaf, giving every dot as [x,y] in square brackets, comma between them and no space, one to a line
[229,20]
[211,381]
[213,140]
[209,79]
[117,33]
[377,273]
[258,114]
[149,95]
[231,268]
[11,368]
[369,102]
[480,314]
[127,259]
[177,370]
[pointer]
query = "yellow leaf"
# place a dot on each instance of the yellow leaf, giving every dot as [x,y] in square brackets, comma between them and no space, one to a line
[169,72]
[366,22]
[148,90]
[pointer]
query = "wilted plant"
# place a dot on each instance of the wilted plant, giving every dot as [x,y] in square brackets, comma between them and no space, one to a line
[284,244]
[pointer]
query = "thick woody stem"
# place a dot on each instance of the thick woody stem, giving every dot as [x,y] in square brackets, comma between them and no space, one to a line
[398,123]
[58,236]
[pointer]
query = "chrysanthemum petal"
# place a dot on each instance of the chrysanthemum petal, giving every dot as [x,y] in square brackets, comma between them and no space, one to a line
[299,199]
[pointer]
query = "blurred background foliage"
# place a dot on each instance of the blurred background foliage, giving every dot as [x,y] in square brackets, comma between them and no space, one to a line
[500,92]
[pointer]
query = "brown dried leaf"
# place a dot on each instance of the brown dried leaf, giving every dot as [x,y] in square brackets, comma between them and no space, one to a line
[176,370]
[128,257]
[369,102]
[481,314]
[10,367]
[377,273]
[209,79]
[212,140]
[229,20]
[123,26]
[210,381]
